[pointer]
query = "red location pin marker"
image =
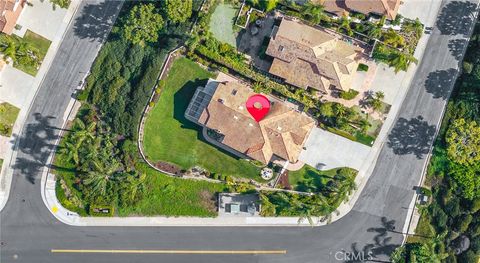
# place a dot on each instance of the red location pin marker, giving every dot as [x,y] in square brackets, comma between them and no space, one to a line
[258,106]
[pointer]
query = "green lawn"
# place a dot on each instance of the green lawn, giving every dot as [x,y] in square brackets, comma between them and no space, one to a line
[172,138]
[1,163]
[309,179]
[40,43]
[222,22]
[174,197]
[423,232]
[8,116]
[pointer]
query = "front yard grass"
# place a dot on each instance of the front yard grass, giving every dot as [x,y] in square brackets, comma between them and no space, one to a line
[171,138]
[36,41]
[222,22]
[170,196]
[309,179]
[8,116]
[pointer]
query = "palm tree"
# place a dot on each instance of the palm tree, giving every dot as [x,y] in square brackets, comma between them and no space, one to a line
[9,49]
[83,132]
[99,178]
[345,24]
[392,38]
[402,61]
[71,151]
[132,186]
[374,31]
[313,13]
[380,95]
[364,125]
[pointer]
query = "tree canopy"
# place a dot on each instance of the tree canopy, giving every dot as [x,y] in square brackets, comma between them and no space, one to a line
[143,24]
[177,11]
[463,140]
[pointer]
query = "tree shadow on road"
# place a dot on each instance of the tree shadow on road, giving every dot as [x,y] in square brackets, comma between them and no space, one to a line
[440,83]
[457,47]
[96,20]
[35,145]
[456,18]
[412,136]
[380,248]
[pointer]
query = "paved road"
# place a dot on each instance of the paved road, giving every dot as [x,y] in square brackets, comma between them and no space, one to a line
[372,228]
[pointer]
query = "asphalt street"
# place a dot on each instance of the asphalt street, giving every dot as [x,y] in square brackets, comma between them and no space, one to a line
[372,229]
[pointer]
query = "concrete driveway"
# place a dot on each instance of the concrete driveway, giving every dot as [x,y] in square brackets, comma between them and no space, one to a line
[15,86]
[325,150]
[34,17]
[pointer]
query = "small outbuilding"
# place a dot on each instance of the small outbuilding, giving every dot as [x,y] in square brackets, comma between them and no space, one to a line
[234,204]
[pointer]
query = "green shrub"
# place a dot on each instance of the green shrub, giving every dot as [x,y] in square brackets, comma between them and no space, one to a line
[82,95]
[467,67]
[474,205]
[462,222]
[348,95]
[362,67]
[425,191]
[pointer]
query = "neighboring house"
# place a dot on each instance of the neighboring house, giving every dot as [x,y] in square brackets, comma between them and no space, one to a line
[220,107]
[238,204]
[387,8]
[10,10]
[308,57]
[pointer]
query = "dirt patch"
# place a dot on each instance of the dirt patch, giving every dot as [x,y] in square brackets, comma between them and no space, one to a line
[169,168]
[208,200]
[283,181]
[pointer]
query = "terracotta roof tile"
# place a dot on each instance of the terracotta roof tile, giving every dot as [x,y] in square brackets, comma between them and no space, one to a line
[308,57]
[282,132]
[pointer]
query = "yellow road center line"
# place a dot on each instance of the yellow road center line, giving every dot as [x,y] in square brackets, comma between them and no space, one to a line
[132,251]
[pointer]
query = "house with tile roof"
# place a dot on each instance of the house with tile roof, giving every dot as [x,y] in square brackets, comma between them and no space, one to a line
[387,8]
[308,57]
[10,10]
[220,107]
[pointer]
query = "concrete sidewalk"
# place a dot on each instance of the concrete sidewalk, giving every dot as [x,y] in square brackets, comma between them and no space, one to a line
[7,171]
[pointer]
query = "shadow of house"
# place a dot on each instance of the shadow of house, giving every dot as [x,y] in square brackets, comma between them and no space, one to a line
[440,83]
[96,20]
[457,47]
[38,142]
[456,18]
[412,136]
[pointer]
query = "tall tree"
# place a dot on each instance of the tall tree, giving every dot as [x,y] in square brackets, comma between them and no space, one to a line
[102,174]
[313,13]
[463,142]
[143,24]
[401,61]
[374,31]
[177,11]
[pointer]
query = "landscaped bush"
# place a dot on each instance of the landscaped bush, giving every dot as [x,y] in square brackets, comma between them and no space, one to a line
[362,67]
[348,95]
